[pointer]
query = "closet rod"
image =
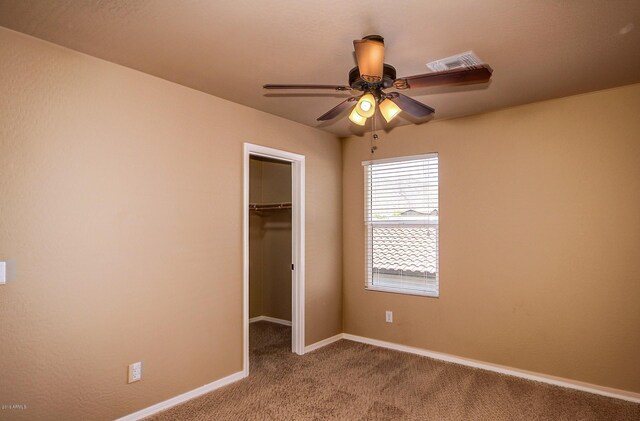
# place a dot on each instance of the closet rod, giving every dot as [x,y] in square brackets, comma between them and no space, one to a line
[269,206]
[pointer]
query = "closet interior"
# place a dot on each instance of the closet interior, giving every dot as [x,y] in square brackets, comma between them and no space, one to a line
[270,240]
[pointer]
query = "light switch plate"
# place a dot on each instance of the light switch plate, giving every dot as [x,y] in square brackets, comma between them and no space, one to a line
[3,272]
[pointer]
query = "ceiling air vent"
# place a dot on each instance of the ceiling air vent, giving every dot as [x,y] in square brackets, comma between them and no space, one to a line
[459,61]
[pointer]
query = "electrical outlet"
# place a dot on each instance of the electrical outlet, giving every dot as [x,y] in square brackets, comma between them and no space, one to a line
[389,316]
[135,372]
[3,272]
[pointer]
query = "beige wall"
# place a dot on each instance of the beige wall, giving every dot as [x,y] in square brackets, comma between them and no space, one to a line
[276,182]
[539,239]
[270,242]
[121,203]
[255,240]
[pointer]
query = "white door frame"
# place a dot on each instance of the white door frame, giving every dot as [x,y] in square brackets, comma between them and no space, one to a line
[297,245]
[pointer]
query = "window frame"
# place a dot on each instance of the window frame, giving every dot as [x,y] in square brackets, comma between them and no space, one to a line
[369,224]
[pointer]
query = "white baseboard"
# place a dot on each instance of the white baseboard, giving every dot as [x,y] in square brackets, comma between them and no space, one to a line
[529,375]
[323,342]
[270,319]
[183,397]
[510,371]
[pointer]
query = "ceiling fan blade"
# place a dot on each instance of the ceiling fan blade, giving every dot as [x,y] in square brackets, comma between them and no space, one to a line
[479,74]
[370,57]
[410,105]
[335,111]
[332,87]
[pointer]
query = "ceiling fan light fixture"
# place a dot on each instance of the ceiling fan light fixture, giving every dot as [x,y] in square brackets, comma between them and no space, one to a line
[366,106]
[371,76]
[370,57]
[389,110]
[357,118]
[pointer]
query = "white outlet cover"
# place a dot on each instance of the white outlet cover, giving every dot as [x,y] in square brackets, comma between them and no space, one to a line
[3,272]
[135,372]
[389,316]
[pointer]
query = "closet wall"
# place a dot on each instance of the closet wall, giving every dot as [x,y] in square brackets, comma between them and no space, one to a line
[270,241]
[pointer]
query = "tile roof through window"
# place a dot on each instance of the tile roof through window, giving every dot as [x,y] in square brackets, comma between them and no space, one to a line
[405,248]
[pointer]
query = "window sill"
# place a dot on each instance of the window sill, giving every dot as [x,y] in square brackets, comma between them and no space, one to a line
[432,294]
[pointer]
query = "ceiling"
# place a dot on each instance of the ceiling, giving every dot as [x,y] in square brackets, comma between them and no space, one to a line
[539,49]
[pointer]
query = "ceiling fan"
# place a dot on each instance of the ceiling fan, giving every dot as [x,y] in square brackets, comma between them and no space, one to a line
[372,75]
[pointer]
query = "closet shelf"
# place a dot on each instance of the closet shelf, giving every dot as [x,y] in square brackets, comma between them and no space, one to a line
[269,206]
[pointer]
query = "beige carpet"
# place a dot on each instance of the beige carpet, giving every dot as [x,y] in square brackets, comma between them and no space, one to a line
[353,381]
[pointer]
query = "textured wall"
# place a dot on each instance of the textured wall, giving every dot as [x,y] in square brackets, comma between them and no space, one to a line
[276,242]
[255,240]
[539,239]
[121,203]
[270,242]
[276,265]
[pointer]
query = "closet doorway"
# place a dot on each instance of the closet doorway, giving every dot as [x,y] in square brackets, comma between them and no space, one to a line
[273,242]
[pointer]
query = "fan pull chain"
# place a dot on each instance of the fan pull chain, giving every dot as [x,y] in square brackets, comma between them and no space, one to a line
[374,135]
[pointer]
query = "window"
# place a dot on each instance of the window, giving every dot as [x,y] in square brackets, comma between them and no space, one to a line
[401,218]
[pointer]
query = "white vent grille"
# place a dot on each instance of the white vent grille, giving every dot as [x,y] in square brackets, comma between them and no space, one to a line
[459,61]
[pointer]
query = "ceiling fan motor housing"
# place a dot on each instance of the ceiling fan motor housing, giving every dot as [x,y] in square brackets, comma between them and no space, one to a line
[356,82]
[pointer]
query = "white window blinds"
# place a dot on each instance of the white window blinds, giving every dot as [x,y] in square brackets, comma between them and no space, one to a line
[401,218]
